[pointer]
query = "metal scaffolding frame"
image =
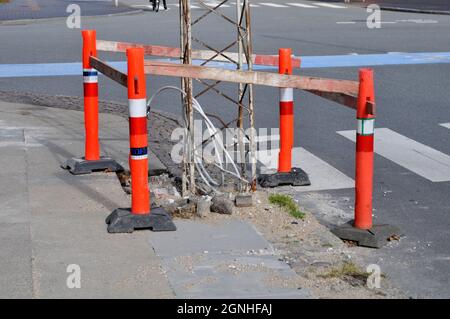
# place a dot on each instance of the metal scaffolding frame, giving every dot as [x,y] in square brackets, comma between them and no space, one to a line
[244,99]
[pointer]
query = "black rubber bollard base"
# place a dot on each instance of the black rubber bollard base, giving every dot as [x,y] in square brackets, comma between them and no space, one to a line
[121,220]
[376,237]
[78,166]
[296,177]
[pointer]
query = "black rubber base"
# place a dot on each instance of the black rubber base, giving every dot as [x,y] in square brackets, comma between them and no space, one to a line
[122,220]
[296,177]
[376,237]
[78,166]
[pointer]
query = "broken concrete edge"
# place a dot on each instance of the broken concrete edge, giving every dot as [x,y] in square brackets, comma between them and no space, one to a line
[243,200]
[222,204]
[296,177]
[121,220]
[79,166]
[375,237]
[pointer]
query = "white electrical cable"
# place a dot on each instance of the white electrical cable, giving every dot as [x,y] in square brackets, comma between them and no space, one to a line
[216,139]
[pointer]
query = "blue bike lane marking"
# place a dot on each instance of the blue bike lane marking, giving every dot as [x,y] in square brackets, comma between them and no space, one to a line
[327,61]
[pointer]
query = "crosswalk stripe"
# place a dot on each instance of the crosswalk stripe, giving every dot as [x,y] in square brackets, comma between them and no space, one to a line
[329,5]
[301,5]
[322,175]
[447,125]
[414,156]
[214,4]
[274,5]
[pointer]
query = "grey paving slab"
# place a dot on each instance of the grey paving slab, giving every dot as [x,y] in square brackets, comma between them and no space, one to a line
[196,237]
[52,219]
[15,260]
[229,259]
[232,276]
[112,266]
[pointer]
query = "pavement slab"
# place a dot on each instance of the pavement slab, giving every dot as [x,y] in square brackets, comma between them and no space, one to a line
[52,219]
[226,260]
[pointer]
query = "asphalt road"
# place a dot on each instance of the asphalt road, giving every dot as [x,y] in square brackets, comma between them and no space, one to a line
[434,5]
[412,100]
[40,9]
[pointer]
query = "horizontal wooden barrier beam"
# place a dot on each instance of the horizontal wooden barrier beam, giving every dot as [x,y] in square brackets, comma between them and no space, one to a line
[168,52]
[109,71]
[340,91]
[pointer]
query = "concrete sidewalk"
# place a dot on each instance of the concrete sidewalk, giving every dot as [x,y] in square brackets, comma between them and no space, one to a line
[50,219]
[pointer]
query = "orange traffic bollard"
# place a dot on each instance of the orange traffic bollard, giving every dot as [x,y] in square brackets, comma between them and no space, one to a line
[124,220]
[286,115]
[286,174]
[364,150]
[137,102]
[361,230]
[92,160]
[90,86]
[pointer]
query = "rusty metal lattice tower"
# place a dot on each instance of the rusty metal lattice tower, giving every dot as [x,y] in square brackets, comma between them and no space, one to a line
[243,102]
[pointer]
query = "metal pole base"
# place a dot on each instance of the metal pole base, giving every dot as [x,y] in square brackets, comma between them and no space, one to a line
[296,177]
[376,237]
[78,166]
[121,220]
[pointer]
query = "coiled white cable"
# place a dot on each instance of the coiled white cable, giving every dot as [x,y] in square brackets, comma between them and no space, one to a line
[216,139]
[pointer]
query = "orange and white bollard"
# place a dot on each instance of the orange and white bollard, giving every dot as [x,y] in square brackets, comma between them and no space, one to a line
[139,216]
[137,105]
[365,116]
[286,174]
[92,160]
[361,230]
[286,115]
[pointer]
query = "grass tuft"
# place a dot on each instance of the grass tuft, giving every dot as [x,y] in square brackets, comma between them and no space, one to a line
[287,203]
[347,269]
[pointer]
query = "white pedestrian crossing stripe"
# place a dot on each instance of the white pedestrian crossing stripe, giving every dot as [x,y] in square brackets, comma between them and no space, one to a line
[322,175]
[329,5]
[414,156]
[301,5]
[314,5]
[447,125]
[274,5]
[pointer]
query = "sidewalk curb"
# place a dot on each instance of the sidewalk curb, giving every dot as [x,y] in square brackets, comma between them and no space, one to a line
[41,20]
[399,9]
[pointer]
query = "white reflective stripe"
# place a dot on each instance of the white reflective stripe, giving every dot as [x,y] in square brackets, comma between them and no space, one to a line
[286,95]
[137,107]
[90,79]
[90,70]
[366,126]
[139,157]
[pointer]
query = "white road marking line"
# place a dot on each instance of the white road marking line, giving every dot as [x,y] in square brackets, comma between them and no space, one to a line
[447,125]
[414,156]
[322,175]
[274,5]
[329,5]
[214,4]
[177,5]
[254,5]
[301,5]
[346,22]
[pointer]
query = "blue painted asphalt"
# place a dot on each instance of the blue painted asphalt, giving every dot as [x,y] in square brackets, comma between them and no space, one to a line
[331,61]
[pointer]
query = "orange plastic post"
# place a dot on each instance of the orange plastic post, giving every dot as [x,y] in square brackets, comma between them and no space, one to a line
[90,86]
[286,114]
[364,150]
[140,199]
